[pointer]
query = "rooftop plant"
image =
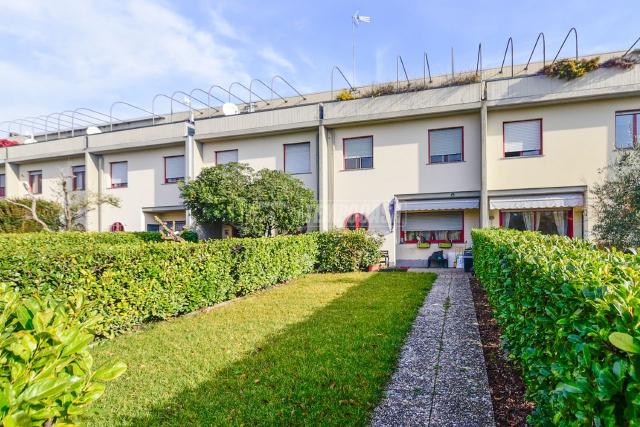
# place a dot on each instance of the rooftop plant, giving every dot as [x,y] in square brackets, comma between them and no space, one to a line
[569,69]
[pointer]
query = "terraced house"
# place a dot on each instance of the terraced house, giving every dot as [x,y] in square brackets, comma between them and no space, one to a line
[422,167]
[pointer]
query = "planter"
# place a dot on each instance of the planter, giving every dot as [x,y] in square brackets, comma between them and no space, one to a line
[374,267]
[424,245]
[445,245]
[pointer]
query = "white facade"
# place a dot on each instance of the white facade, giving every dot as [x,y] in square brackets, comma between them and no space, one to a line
[577,122]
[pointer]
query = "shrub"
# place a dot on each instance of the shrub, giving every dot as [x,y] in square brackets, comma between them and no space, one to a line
[15,219]
[46,372]
[570,316]
[133,281]
[570,69]
[344,250]
[189,235]
[345,95]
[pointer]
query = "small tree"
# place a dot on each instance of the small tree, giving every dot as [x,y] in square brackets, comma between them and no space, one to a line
[255,203]
[617,203]
[278,202]
[76,204]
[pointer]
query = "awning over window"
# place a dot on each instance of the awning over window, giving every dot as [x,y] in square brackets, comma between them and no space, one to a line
[438,204]
[537,202]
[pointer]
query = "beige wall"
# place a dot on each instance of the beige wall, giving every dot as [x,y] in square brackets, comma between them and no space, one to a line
[578,140]
[400,166]
[267,152]
[146,187]
[51,172]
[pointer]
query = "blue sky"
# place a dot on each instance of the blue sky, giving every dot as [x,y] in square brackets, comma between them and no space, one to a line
[63,54]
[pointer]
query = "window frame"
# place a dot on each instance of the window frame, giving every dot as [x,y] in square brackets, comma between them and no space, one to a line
[504,140]
[32,174]
[635,136]
[172,180]
[3,188]
[409,242]
[74,179]
[344,153]
[570,215]
[429,162]
[358,219]
[122,185]
[226,151]
[284,155]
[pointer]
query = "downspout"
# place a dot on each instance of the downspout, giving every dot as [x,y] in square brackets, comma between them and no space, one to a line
[484,193]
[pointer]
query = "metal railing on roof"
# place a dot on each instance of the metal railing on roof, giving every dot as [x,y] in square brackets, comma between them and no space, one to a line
[575,32]
[544,52]
[400,62]
[509,43]
[335,67]
[274,78]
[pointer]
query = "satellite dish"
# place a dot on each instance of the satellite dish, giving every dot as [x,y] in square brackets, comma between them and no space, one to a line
[230,109]
[93,130]
[30,139]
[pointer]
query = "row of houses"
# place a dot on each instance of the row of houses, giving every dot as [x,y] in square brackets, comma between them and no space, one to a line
[421,168]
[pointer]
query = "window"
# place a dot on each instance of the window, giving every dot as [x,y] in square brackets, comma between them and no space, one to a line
[446,145]
[227,156]
[2,185]
[119,174]
[522,138]
[117,226]
[627,129]
[153,227]
[358,153]
[78,182]
[558,222]
[357,221]
[432,227]
[35,182]
[173,169]
[297,158]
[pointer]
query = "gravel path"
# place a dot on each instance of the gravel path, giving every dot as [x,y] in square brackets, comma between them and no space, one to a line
[441,378]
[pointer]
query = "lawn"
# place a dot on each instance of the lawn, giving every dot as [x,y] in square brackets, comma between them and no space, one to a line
[316,351]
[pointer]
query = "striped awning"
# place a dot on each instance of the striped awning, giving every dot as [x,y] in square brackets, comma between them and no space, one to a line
[438,204]
[569,200]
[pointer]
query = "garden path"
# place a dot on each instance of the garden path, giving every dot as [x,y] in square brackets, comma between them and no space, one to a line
[441,378]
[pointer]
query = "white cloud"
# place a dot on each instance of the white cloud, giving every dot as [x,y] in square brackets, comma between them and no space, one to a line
[269,54]
[63,52]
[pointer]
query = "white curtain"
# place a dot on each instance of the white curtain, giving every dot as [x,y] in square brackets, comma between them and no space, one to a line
[528,220]
[558,217]
[537,220]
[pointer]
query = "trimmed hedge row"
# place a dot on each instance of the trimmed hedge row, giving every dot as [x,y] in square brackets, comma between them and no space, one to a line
[130,280]
[570,316]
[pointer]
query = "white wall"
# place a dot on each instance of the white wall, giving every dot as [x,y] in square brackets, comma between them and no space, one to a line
[400,166]
[267,152]
[146,187]
[51,173]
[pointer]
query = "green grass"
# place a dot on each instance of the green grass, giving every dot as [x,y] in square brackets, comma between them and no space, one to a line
[316,351]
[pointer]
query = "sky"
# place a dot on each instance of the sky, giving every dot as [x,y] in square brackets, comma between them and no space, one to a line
[58,55]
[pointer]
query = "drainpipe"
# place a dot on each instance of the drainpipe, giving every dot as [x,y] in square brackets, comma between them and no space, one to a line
[323,173]
[190,151]
[484,193]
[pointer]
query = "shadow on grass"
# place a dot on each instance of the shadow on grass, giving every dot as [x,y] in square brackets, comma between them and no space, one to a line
[330,369]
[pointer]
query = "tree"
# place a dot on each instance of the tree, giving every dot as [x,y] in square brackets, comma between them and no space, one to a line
[617,203]
[76,204]
[16,215]
[256,203]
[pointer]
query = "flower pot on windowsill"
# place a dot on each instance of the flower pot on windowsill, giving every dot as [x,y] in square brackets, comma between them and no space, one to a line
[424,245]
[374,267]
[445,245]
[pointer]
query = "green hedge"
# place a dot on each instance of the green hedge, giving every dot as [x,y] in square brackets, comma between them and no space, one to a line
[15,219]
[562,305]
[344,250]
[133,282]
